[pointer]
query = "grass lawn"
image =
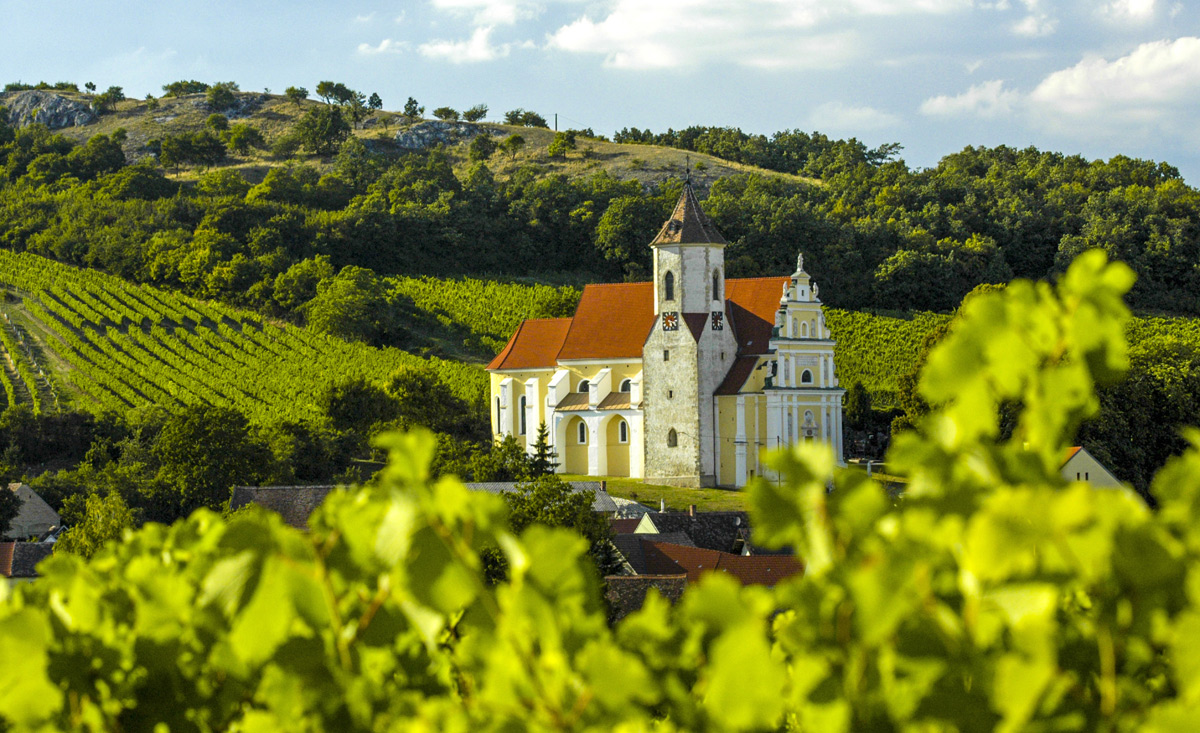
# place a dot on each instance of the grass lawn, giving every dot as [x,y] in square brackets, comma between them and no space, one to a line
[707,500]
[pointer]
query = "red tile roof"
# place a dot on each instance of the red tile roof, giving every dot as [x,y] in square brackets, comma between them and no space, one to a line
[1071,454]
[611,322]
[535,345]
[753,302]
[664,558]
[624,525]
[688,224]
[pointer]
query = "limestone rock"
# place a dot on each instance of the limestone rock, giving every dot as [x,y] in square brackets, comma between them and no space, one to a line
[428,134]
[50,109]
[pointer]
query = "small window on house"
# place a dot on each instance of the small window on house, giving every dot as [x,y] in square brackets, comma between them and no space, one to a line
[672,438]
[1085,476]
[806,377]
[666,354]
[670,394]
[626,385]
[581,433]
[583,386]
[522,415]
[623,432]
[669,286]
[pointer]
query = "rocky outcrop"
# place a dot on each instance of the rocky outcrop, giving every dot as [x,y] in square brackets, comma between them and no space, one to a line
[52,110]
[243,105]
[428,134]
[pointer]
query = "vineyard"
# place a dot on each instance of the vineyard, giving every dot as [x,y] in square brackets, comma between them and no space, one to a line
[118,346]
[877,350]
[484,312]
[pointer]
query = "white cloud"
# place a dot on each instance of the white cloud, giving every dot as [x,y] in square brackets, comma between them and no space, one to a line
[772,34]
[477,48]
[989,99]
[836,116]
[400,17]
[1154,76]
[1130,9]
[489,12]
[1035,26]
[387,45]
[364,18]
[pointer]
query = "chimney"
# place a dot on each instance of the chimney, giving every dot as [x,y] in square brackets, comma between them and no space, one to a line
[604,486]
[691,510]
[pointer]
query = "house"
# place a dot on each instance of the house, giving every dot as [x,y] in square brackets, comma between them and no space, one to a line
[1079,465]
[18,560]
[35,519]
[683,380]
[293,503]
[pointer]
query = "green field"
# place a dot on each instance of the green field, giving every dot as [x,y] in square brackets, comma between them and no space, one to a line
[110,345]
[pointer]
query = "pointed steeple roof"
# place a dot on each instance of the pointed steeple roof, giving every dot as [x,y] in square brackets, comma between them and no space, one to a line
[688,223]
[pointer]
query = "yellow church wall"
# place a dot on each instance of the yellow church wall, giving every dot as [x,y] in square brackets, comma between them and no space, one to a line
[575,457]
[620,371]
[618,452]
[727,430]
[754,457]
[536,415]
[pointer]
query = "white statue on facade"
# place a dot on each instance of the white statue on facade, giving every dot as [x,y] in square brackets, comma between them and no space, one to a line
[800,262]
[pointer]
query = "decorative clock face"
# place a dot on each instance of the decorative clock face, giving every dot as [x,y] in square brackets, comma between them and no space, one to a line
[718,320]
[671,321]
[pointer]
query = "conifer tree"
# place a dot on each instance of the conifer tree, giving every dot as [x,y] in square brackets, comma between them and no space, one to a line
[542,461]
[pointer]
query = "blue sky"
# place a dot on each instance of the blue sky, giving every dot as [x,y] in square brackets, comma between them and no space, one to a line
[1095,78]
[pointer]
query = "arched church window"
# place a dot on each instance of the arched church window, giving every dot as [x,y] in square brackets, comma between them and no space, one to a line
[622,431]
[669,286]
[581,433]
[522,414]
[804,330]
[626,385]
[716,289]
[672,438]
[584,385]
[806,377]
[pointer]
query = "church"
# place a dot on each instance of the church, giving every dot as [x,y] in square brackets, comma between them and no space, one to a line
[681,381]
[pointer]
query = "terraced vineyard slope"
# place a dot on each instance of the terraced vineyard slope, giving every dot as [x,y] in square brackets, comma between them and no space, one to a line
[117,346]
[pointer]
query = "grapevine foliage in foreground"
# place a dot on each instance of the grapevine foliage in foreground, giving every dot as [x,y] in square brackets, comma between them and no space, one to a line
[994,595]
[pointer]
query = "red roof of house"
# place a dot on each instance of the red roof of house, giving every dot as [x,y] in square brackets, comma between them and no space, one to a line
[613,320]
[1071,453]
[664,558]
[535,345]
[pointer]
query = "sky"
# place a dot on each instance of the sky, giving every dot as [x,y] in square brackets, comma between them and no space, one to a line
[1098,78]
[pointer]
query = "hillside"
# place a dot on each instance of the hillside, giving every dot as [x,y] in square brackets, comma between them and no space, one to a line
[274,115]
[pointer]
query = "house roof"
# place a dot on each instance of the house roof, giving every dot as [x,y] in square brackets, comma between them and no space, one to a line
[601,501]
[615,401]
[293,503]
[35,517]
[611,322]
[627,593]
[630,547]
[665,558]
[688,223]
[752,305]
[574,401]
[1070,454]
[623,525]
[20,559]
[710,530]
[534,345]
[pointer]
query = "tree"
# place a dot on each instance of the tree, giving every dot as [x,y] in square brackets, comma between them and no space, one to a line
[204,452]
[221,95]
[151,102]
[357,405]
[412,112]
[107,102]
[217,122]
[512,145]
[322,129]
[180,88]
[858,406]
[562,142]
[375,103]
[325,90]
[90,86]
[481,147]
[105,519]
[348,305]
[476,113]
[243,137]
[296,95]
[448,114]
[10,507]
[525,118]
[542,461]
